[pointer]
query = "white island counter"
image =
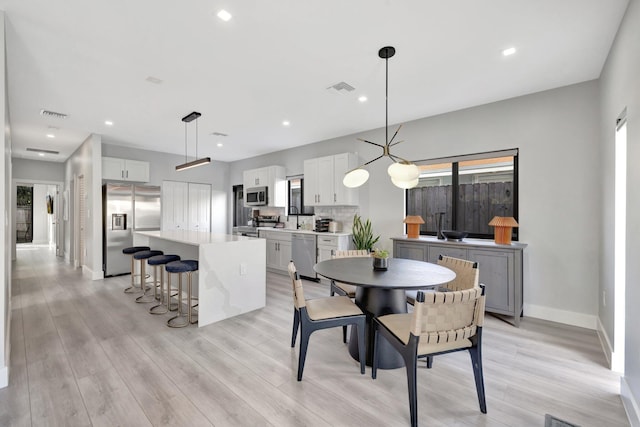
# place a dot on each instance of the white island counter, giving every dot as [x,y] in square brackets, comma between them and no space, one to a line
[231,279]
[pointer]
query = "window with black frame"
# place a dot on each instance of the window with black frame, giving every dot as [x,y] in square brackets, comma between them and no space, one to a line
[296,198]
[466,192]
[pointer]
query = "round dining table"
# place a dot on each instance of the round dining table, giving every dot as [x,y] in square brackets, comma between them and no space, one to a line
[381,292]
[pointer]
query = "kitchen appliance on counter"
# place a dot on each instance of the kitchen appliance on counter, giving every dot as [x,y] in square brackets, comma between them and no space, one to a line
[266,220]
[322,225]
[126,208]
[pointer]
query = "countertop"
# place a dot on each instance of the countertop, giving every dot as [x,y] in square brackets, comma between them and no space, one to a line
[195,238]
[465,241]
[300,231]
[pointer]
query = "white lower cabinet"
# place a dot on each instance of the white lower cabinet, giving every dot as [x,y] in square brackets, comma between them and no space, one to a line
[329,244]
[278,249]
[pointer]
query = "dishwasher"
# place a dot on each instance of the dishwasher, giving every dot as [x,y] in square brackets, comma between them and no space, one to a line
[303,253]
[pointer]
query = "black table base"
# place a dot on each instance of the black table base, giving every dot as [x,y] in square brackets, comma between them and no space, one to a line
[378,302]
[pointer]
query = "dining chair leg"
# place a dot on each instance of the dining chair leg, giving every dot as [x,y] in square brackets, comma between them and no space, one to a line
[361,350]
[304,343]
[476,361]
[344,334]
[429,362]
[374,357]
[411,365]
[296,323]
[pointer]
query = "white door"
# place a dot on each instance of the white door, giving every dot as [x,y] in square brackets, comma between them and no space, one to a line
[175,205]
[200,207]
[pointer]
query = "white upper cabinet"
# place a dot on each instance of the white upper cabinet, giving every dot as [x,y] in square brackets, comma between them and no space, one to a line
[125,170]
[273,178]
[323,181]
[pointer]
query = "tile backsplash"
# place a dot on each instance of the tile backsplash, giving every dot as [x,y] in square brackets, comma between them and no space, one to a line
[342,214]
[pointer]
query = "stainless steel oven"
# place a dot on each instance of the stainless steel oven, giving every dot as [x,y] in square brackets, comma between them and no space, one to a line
[256,196]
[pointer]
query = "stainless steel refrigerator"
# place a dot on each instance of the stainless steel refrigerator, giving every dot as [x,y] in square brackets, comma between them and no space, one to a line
[125,209]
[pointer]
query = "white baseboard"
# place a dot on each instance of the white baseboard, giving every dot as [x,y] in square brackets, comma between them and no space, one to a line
[561,316]
[94,275]
[4,377]
[605,343]
[631,404]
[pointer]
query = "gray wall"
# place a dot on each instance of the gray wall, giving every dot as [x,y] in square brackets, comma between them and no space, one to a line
[557,134]
[36,170]
[5,217]
[163,166]
[620,88]
[86,161]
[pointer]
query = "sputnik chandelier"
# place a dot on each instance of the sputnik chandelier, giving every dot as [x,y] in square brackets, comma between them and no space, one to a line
[403,173]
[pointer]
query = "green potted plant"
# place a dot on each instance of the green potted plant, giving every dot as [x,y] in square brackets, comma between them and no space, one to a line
[380,259]
[362,234]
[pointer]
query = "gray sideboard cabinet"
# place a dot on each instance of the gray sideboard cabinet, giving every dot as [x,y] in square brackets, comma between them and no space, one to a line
[500,267]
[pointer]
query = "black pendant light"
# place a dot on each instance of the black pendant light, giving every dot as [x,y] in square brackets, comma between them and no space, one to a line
[197,162]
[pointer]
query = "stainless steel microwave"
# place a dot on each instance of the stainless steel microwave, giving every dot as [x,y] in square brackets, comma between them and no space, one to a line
[256,196]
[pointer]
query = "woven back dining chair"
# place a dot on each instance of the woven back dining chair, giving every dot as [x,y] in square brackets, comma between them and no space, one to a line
[344,288]
[441,322]
[322,313]
[467,275]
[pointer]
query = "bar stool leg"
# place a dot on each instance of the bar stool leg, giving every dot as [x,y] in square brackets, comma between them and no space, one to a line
[171,322]
[162,307]
[143,283]
[190,298]
[133,287]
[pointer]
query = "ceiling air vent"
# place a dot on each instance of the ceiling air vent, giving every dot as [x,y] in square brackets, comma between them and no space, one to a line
[41,150]
[341,88]
[53,114]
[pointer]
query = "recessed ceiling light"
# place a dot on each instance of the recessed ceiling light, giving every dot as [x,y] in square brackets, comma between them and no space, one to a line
[219,144]
[108,122]
[224,15]
[509,51]
[41,154]
[286,123]
[154,80]
[362,98]
[50,135]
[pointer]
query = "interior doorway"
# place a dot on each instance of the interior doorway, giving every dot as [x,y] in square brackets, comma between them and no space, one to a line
[620,244]
[37,210]
[24,214]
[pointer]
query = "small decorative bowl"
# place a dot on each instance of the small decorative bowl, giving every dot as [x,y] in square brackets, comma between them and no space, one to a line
[454,236]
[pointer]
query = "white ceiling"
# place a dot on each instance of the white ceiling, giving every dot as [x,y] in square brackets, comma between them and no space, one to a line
[274,60]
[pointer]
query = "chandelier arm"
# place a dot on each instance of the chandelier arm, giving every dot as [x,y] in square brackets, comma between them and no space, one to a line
[369,142]
[396,143]
[394,136]
[371,161]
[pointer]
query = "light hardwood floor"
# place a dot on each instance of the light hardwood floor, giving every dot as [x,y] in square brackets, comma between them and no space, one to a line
[84,353]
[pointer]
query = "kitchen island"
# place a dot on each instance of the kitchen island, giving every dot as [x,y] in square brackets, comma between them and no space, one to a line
[231,279]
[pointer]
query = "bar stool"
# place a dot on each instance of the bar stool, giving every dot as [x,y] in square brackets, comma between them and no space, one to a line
[156,261]
[143,256]
[131,251]
[184,266]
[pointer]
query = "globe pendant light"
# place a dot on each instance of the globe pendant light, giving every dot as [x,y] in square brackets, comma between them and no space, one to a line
[403,173]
